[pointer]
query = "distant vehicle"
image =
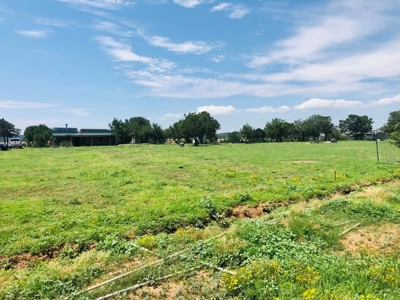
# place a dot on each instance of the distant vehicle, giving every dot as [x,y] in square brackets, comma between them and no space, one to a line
[15,143]
[3,147]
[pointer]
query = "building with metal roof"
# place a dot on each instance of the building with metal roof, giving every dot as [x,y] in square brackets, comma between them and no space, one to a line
[83,137]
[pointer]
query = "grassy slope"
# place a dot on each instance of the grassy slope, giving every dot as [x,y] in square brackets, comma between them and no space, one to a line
[74,197]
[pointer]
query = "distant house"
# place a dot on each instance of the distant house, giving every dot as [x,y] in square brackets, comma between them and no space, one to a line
[83,137]
[377,134]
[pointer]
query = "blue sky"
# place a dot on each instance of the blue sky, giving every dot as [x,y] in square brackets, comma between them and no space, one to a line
[84,62]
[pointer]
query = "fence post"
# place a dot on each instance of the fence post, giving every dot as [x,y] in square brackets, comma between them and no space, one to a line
[377,150]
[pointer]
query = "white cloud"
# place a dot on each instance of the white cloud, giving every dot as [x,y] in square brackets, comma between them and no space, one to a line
[342,24]
[268,109]
[103,4]
[52,22]
[190,3]
[237,11]
[197,47]
[386,101]
[10,104]
[311,59]
[217,110]
[120,51]
[172,116]
[323,103]
[112,28]
[381,62]
[221,6]
[36,34]
[217,58]
[338,104]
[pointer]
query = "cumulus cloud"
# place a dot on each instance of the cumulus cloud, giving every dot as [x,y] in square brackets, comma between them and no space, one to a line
[217,110]
[236,11]
[268,109]
[36,34]
[316,103]
[197,47]
[323,103]
[386,101]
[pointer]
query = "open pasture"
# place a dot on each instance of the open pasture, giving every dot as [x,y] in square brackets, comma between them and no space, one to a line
[80,207]
[56,196]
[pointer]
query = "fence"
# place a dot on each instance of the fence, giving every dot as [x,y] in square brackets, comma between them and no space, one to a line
[386,152]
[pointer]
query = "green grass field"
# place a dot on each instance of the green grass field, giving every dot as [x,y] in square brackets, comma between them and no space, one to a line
[73,216]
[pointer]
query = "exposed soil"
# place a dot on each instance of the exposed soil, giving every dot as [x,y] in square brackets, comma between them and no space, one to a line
[263,208]
[28,260]
[21,261]
[167,290]
[177,290]
[306,161]
[372,239]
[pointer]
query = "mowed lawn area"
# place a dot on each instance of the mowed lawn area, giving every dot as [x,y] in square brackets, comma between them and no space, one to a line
[57,196]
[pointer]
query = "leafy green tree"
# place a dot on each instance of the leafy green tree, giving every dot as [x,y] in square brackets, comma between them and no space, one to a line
[234,137]
[158,134]
[395,136]
[259,135]
[393,120]
[120,131]
[317,124]
[175,131]
[199,125]
[298,133]
[8,130]
[247,132]
[357,126]
[39,135]
[139,129]
[277,130]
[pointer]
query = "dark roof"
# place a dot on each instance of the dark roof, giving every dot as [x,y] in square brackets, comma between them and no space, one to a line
[94,130]
[74,132]
[64,129]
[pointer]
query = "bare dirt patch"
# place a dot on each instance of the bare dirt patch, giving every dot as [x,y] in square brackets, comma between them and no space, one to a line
[374,239]
[21,261]
[251,212]
[191,288]
[306,161]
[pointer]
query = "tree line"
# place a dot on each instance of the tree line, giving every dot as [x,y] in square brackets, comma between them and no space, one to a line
[202,127]
[312,128]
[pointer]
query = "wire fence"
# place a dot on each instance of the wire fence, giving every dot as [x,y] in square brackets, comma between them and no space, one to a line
[387,152]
